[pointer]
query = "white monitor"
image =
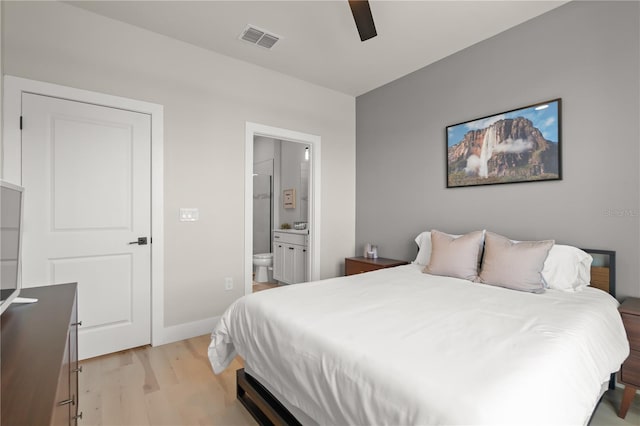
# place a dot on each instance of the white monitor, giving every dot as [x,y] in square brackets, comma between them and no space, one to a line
[11,202]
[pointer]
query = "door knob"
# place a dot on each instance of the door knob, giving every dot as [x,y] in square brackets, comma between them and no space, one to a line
[141,241]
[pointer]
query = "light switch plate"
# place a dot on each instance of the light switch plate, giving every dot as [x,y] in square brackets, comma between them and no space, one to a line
[189,214]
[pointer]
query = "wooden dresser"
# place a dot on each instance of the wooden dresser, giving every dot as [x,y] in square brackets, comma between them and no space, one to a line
[630,371]
[358,265]
[40,358]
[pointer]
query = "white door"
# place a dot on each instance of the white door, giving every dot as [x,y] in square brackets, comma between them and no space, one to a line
[300,264]
[87,176]
[288,269]
[278,260]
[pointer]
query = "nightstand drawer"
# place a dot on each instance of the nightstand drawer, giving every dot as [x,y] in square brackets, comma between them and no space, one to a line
[630,372]
[632,325]
[352,268]
[358,265]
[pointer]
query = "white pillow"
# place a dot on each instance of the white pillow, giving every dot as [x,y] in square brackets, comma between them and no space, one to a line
[567,268]
[424,248]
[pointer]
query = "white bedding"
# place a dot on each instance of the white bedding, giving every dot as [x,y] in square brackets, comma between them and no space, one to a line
[400,347]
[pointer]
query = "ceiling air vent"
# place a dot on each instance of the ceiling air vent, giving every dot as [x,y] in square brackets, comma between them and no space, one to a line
[259,37]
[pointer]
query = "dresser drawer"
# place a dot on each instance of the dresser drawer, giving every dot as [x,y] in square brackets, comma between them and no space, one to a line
[632,325]
[630,372]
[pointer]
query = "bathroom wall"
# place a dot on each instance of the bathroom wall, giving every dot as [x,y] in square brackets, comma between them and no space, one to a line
[264,164]
[263,149]
[293,168]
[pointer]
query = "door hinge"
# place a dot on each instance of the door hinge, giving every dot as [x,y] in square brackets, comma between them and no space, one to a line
[20,122]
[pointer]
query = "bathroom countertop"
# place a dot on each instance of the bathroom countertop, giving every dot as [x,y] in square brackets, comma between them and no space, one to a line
[293,231]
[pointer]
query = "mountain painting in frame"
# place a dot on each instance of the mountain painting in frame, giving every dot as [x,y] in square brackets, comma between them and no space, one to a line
[521,145]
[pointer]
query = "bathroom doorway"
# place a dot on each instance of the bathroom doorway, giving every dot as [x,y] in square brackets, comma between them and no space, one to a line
[282,193]
[280,212]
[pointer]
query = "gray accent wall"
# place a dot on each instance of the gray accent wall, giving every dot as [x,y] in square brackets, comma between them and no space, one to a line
[586,53]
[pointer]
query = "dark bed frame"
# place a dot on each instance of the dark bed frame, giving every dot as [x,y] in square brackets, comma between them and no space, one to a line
[268,411]
[260,403]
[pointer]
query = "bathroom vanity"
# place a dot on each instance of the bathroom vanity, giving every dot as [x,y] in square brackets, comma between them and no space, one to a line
[290,255]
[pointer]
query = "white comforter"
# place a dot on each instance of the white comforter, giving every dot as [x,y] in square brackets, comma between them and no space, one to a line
[400,347]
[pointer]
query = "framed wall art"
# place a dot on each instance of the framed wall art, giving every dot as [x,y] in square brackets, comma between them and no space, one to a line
[521,145]
[289,198]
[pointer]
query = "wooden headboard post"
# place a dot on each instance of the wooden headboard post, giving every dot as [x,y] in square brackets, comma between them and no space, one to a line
[604,277]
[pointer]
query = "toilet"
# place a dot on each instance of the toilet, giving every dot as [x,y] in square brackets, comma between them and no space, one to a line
[263,263]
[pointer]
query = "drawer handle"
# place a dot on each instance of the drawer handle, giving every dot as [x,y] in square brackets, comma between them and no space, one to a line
[77,370]
[79,416]
[68,401]
[291,248]
[79,323]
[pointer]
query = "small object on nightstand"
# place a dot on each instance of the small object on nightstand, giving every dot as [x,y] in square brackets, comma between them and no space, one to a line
[370,251]
[360,264]
[630,371]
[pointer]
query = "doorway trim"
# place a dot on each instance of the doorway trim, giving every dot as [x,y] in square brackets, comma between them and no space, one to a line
[255,129]
[13,87]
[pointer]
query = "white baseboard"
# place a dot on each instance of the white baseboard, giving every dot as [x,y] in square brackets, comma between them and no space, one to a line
[186,331]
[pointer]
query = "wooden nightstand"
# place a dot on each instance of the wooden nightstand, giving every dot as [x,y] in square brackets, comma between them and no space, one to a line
[358,265]
[630,371]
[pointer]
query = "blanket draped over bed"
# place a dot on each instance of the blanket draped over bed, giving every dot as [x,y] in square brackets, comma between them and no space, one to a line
[400,347]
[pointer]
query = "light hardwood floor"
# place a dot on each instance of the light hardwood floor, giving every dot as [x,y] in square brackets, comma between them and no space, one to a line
[174,385]
[165,385]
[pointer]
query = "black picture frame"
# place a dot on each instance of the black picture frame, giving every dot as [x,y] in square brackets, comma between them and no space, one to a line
[513,146]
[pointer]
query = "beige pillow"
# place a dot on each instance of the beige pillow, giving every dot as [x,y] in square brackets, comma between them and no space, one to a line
[455,256]
[514,265]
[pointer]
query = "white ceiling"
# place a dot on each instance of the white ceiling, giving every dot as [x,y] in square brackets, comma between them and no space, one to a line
[320,43]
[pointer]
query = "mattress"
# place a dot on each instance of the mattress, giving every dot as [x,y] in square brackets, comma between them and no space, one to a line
[400,347]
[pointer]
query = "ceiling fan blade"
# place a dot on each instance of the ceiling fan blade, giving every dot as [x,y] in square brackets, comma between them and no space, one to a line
[364,20]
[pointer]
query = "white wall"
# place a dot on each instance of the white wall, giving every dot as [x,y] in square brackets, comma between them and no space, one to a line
[207,100]
[1,74]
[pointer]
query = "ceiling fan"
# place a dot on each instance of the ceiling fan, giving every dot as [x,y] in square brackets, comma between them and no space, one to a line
[364,20]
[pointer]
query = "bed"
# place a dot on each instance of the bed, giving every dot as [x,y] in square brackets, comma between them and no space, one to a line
[400,346]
